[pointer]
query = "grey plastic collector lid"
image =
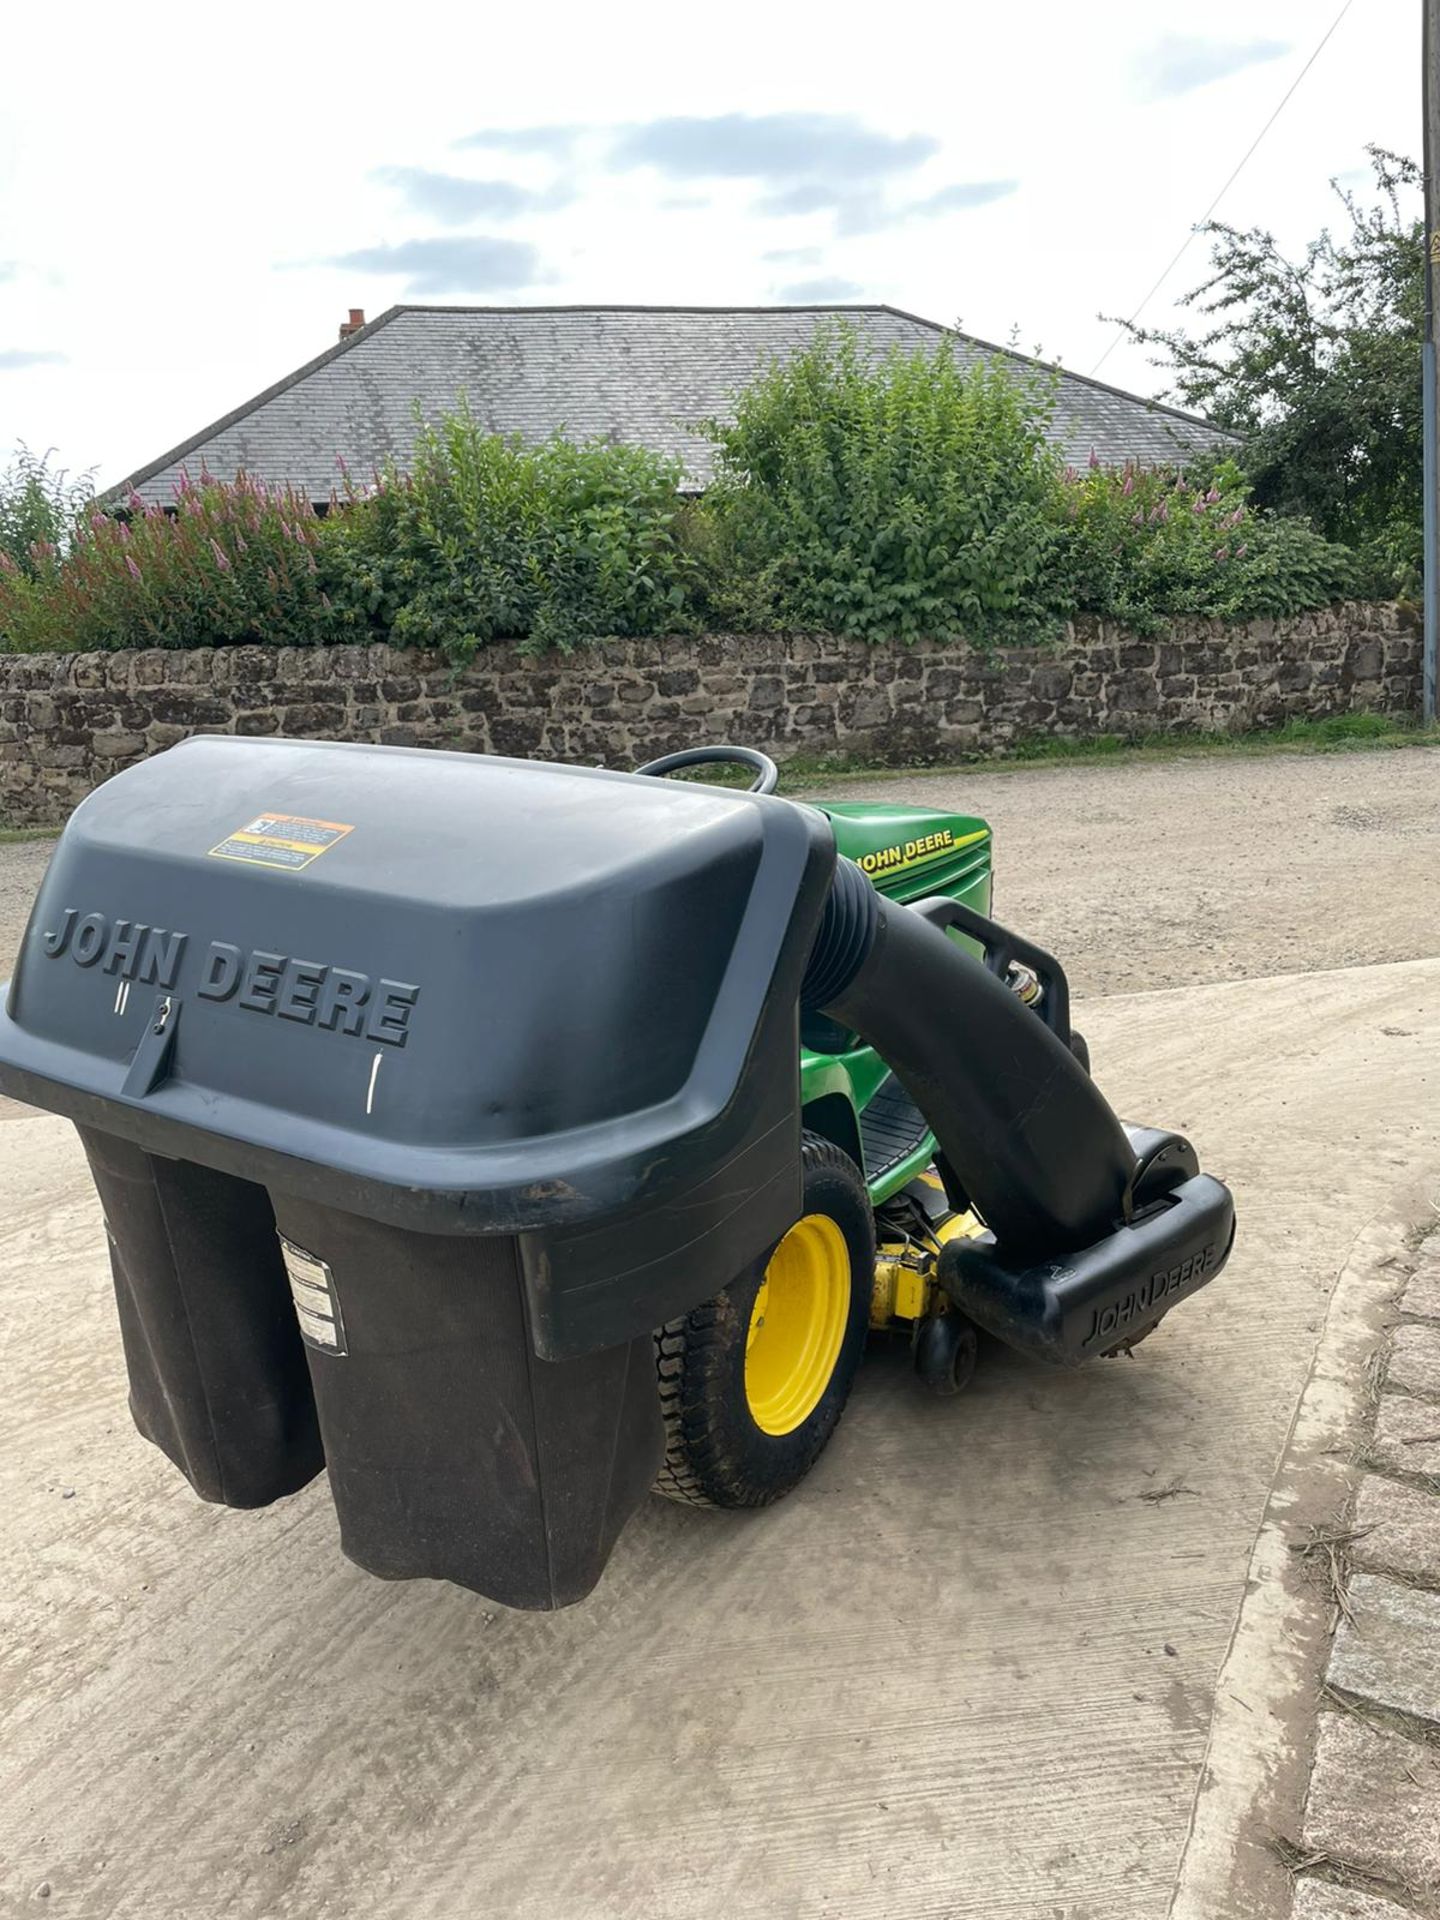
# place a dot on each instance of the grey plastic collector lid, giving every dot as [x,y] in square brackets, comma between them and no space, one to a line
[476,993]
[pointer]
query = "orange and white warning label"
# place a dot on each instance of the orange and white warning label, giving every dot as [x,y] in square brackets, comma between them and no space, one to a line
[288,841]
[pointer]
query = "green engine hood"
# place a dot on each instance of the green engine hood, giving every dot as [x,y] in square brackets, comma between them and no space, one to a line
[909,852]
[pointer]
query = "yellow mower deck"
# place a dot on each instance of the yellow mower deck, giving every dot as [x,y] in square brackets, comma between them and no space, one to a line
[905,1287]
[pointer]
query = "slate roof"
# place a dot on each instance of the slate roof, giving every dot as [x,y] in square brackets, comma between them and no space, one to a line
[637,374]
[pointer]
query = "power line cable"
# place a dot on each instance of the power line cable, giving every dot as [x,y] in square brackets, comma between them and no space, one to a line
[1235,175]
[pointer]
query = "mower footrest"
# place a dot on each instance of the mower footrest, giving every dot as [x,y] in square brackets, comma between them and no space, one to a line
[892,1127]
[1070,1308]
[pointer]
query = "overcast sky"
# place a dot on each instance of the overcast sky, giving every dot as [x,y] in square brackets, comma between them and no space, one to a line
[192,197]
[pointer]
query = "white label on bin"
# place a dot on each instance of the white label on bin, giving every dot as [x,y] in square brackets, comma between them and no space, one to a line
[317,1305]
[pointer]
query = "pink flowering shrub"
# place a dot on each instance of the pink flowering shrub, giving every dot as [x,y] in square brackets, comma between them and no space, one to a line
[1144,546]
[224,563]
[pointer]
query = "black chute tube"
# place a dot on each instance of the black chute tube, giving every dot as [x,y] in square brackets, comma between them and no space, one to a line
[1025,1130]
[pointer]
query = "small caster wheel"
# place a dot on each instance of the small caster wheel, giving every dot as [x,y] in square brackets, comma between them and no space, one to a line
[945,1350]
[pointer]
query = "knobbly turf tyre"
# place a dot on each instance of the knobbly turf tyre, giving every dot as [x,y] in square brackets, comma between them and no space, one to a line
[714,1395]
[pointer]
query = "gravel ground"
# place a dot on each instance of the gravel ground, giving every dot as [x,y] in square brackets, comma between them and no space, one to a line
[1161,873]
[1167,873]
[22,864]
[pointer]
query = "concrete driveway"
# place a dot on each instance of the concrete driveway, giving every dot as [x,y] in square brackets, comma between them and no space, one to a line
[967,1670]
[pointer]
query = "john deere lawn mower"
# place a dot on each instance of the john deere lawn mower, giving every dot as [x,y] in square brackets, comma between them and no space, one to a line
[510,1139]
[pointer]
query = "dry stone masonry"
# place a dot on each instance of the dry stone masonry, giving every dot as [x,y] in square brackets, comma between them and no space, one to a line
[68,721]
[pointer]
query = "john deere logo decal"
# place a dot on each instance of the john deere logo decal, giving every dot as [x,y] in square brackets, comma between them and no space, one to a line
[914,853]
[313,993]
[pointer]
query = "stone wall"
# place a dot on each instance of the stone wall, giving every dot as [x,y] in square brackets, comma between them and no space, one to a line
[68,721]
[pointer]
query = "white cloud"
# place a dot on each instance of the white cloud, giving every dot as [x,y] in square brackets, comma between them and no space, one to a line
[770,146]
[22,359]
[823,291]
[459,263]
[1178,63]
[453,199]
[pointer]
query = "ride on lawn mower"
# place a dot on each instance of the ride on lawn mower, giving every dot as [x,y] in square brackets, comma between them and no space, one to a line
[511,1138]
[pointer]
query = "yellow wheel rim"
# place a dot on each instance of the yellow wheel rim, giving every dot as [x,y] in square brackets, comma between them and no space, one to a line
[797,1325]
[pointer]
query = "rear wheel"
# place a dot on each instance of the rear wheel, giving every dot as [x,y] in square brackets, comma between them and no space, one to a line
[753,1382]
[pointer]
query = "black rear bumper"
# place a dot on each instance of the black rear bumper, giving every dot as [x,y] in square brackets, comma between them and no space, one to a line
[1067,1310]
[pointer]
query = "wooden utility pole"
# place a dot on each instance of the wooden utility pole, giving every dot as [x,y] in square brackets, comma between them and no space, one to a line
[1430,62]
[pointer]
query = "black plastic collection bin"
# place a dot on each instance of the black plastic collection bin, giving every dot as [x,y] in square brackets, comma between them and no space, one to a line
[418,1089]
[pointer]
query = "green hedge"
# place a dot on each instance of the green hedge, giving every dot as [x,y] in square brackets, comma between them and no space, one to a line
[897,499]
[485,539]
[905,500]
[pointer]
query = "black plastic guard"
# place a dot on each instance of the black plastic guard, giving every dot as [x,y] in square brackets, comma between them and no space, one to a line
[217,1369]
[1070,1309]
[454,1452]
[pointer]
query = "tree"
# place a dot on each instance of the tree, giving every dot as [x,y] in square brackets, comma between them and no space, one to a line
[39,505]
[1315,363]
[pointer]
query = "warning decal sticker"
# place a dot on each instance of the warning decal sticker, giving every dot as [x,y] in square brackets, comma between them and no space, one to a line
[317,1305]
[284,840]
